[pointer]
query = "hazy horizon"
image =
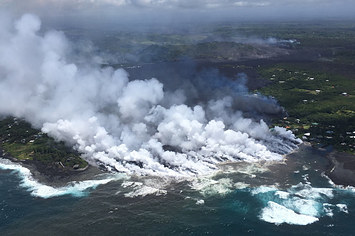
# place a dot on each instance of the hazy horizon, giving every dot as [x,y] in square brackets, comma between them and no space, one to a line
[153,13]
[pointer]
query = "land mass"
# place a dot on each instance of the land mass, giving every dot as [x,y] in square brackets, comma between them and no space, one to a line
[22,143]
[307,67]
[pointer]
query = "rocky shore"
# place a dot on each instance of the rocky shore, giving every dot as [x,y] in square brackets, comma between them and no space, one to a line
[342,168]
[54,174]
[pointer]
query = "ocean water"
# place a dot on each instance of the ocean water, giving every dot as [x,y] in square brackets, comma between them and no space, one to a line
[291,197]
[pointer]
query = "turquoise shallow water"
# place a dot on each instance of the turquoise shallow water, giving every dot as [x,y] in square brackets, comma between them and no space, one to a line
[287,198]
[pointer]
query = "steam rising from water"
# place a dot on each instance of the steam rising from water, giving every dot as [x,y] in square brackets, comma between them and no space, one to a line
[130,126]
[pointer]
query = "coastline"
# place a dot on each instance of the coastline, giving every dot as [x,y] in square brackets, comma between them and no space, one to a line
[341,165]
[53,175]
[342,168]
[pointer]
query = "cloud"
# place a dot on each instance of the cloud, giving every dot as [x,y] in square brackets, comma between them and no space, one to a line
[133,126]
[171,3]
[162,11]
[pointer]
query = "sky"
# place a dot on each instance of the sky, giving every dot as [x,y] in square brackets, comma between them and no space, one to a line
[211,4]
[182,10]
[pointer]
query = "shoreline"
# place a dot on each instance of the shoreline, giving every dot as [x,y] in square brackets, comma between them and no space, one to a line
[341,168]
[51,175]
[341,165]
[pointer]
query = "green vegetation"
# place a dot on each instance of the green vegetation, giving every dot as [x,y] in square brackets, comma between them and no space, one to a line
[23,142]
[212,51]
[321,106]
[328,40]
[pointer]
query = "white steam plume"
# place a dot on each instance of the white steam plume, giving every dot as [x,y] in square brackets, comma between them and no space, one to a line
[122,124]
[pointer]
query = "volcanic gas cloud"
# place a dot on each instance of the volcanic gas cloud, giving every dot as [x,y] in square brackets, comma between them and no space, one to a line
[133,126]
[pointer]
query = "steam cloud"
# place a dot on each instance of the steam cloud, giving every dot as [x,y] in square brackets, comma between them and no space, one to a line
[130,126]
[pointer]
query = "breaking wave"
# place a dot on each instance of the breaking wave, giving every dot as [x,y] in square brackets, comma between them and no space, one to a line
[301,204]
[75,189]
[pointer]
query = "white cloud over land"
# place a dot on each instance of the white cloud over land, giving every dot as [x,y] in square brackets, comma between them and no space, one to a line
[143,13]
[340,7]
[131,126]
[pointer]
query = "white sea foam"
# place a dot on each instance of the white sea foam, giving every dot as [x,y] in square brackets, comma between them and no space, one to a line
[145,186]
[278,214]
[343,208]
[76,189]
[307,191]
[263,189]
[282,194]
[301,200]
[219,187]
[143,191]
[139,189]
[241,185]
[304,206]
[328,209]
[200,202]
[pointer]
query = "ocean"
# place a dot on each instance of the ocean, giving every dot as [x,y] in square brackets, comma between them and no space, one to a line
[291,197]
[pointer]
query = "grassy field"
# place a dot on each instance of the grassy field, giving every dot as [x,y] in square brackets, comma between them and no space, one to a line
[330,40]
[23,142]
[320,105]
